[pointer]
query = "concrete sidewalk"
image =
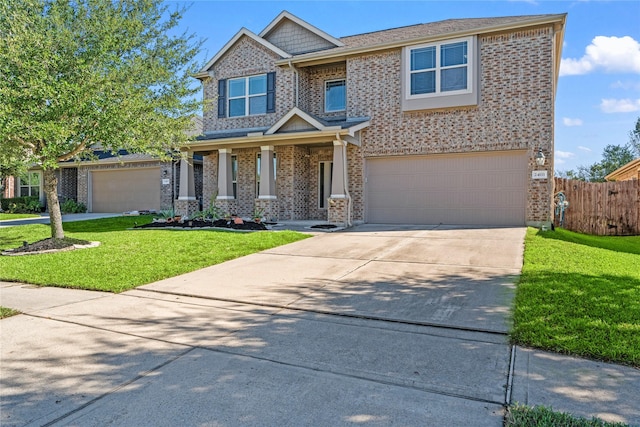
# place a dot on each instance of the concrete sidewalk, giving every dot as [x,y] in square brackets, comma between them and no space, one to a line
[374,326]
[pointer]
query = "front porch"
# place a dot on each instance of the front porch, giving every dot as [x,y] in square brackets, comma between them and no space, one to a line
[310,176]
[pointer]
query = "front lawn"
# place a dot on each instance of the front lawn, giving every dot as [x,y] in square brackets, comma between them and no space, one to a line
[580,295]
[540,416]
[125,258]
[8,216]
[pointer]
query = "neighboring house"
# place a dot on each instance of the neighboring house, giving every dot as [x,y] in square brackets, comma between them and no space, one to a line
[425,124]
[626,173]
[117,182]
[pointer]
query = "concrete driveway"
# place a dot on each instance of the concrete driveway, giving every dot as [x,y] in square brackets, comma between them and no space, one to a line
[379,325]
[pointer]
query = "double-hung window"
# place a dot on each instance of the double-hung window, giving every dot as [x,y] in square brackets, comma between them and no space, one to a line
[248,96]
[335,95]
[30,184]
[440,69]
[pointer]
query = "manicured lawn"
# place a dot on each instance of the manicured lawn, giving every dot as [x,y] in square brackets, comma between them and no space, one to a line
[523,416]
[126,258]
[7,312]
[7,216]
[580,295]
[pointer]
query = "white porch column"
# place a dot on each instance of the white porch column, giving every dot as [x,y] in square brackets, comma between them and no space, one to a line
[339,173]
[187,181]
[267,188]
[225,179]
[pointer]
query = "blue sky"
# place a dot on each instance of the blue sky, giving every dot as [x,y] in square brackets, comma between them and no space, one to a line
[598,97]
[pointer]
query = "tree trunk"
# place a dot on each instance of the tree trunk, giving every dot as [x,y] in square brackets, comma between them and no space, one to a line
[51,191]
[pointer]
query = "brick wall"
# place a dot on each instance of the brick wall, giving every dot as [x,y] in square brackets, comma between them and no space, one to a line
[312,80]
[247,58]
[515,109]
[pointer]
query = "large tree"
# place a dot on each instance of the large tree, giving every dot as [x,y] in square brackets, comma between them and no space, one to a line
[77,75]
[613,156]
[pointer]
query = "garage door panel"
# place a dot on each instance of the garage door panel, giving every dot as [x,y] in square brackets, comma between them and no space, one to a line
[479,188]
[123,190]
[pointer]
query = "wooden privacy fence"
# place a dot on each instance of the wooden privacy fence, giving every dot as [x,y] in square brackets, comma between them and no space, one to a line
[600,208]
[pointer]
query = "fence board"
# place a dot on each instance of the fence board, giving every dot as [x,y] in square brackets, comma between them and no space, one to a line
[600,208]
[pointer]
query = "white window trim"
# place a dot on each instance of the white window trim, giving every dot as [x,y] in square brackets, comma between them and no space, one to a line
[20,186]
[326,110]
[438,93]
[246,96]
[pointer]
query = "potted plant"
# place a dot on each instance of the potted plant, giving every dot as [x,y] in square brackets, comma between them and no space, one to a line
[257,214]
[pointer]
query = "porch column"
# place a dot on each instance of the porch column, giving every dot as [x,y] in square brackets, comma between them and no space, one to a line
[338,211]
[187,180]
[339,172]
[187,204]
[267,188]
[225,179]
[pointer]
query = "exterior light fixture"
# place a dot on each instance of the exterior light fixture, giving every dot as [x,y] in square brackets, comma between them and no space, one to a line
[540,158]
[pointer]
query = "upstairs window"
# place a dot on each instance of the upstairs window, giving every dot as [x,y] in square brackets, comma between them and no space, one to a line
[247,96]
[440,69]
[335,95]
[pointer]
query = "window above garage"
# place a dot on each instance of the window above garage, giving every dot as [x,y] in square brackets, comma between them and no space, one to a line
[440,75]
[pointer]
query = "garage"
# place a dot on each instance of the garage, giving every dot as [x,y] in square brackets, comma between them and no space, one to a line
[465,189]
[125,190]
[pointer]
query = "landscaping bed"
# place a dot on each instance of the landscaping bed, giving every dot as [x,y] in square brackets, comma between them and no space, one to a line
[199,223]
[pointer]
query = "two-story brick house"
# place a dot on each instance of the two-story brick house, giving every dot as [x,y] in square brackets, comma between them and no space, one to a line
[426,124]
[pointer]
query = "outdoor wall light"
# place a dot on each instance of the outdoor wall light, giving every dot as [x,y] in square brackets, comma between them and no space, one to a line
[540,158]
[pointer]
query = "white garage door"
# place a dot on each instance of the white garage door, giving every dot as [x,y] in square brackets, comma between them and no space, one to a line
[474,189]
[125,190]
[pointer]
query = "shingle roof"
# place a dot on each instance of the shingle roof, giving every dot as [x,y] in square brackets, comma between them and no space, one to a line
[432,29]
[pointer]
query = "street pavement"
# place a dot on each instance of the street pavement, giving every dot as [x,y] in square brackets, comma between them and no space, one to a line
[376,325]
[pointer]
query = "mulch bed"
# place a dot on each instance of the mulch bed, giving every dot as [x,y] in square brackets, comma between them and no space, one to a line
[49,244]
[196,223]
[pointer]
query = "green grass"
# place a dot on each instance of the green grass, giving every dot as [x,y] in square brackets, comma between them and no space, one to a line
[7,312]
[125,258]
[580,295]
[7,216]
[540,416]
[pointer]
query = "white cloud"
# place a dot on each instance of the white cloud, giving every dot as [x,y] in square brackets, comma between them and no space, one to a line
[626,85]
[563,154]
[571,122]
[611,54]
[583,148]
[620,105]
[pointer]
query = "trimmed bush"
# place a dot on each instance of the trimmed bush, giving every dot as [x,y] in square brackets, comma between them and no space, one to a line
[25,204]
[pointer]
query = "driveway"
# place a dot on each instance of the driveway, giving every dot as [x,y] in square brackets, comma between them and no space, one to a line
[377,325]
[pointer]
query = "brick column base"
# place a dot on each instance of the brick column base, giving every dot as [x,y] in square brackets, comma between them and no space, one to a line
[269,208]
[338,211]
[186,207]
[227,206]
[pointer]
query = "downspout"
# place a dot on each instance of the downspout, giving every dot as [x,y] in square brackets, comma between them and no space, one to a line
[295,73]
[345,179]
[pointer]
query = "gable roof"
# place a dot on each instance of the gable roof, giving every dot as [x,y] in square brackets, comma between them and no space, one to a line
[284,15]
[242,33]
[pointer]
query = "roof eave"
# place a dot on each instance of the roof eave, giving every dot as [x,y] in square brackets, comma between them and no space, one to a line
[328,56]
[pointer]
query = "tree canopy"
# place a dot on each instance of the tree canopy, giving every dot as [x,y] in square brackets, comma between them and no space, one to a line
[78,75]
[613,157]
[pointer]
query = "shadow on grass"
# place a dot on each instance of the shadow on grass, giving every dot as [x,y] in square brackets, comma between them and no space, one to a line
[102,225]
[627,244]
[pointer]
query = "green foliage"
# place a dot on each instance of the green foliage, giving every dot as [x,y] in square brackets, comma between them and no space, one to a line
[166,213]
[25,204]
[7,312]
[580,295]
[540,416]
[141,256]
[71,206]
[77,74]
[613,156]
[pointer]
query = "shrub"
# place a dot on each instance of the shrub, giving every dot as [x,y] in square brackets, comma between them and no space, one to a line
[71,206]
[23,204]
